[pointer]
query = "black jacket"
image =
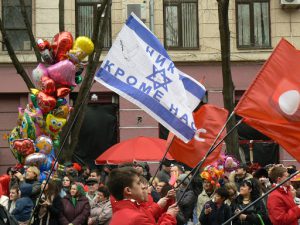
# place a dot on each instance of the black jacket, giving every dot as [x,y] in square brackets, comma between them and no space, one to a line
[217,215]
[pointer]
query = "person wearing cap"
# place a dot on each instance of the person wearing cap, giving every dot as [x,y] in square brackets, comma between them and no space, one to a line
[93,186]
[239,175]
[164,174]
[188,201]
[32,175]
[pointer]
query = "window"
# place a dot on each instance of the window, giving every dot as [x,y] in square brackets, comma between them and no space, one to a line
[181,24]
[14,24]
[253,24]
[86,13]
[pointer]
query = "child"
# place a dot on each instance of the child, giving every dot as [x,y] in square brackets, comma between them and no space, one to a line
[216,212]
[24,205]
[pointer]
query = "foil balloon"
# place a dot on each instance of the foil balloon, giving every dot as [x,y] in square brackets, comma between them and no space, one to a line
[83,46]
[28,127]
[43,144]
[45,50]
[61,44]
[34,100]
[37,74]
[35,159]
[54,124]
[78,79]
[24,147]
[62,92]
[20,116]
[206,175]
[45,102]
[62,111]
[56,143]
[14,135]
[48,85]
[36,115]
[63,73]
[47,164]
[61,101]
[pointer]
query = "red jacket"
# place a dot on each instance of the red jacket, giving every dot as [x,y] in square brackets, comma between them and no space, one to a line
[127,212]
[282,208]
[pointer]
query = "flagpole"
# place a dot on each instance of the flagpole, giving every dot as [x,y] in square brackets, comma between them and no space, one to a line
[212,148]
[164,157]
[261,197]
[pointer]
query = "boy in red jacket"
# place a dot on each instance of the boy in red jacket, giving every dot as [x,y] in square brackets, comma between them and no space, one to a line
[281,206]
[125,186]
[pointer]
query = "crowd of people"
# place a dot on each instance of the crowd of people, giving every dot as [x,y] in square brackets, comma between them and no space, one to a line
[128,194]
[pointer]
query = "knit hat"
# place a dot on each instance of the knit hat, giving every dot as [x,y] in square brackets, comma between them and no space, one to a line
[183,177]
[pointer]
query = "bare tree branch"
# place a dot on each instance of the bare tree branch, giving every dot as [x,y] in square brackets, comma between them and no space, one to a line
[29,31]
[88,80]
[61,8]
[20,69]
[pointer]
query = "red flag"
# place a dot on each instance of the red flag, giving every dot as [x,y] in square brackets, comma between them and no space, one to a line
[271,104]
[209,121]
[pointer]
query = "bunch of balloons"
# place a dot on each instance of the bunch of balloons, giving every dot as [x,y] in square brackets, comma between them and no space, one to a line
[212,174]
[36,135]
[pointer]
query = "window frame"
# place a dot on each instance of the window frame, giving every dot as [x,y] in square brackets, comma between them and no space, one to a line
[251,14]
[178,4]
[17,29]
[94,4]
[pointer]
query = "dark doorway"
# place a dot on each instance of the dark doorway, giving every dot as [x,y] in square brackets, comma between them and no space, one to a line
[99,129]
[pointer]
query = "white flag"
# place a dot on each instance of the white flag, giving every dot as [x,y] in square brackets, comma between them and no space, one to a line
[138,68]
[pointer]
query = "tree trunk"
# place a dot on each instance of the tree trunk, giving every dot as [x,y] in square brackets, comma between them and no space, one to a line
[61,9]
[20,69]
[81,101]
[29,31]
[232,146]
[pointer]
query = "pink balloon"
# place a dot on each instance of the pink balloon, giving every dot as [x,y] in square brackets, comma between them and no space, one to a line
[37,74]
[63,73]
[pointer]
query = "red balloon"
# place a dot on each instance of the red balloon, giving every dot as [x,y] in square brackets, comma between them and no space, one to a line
[61,44]
[24,146]
[48,85]
[45,102]
[62,92]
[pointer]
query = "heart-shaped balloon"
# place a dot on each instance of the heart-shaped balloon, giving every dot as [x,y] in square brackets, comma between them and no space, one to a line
[62,92]
[48,85]
[45,102]
[37,74]
[61,44]
[24,146]
[63,73]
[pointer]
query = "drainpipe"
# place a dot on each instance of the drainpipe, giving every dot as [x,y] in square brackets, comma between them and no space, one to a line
[151,9]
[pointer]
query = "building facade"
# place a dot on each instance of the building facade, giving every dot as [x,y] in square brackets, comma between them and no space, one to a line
[189,30]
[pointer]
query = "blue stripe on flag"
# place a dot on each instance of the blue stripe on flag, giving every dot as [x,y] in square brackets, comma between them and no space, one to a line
[193,88]
[149,102]
[146,36]
[152,41]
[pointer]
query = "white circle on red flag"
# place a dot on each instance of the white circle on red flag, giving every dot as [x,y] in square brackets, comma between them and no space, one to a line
[289,102]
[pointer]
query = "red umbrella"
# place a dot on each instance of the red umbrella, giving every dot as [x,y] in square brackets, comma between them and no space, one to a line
[135,149]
